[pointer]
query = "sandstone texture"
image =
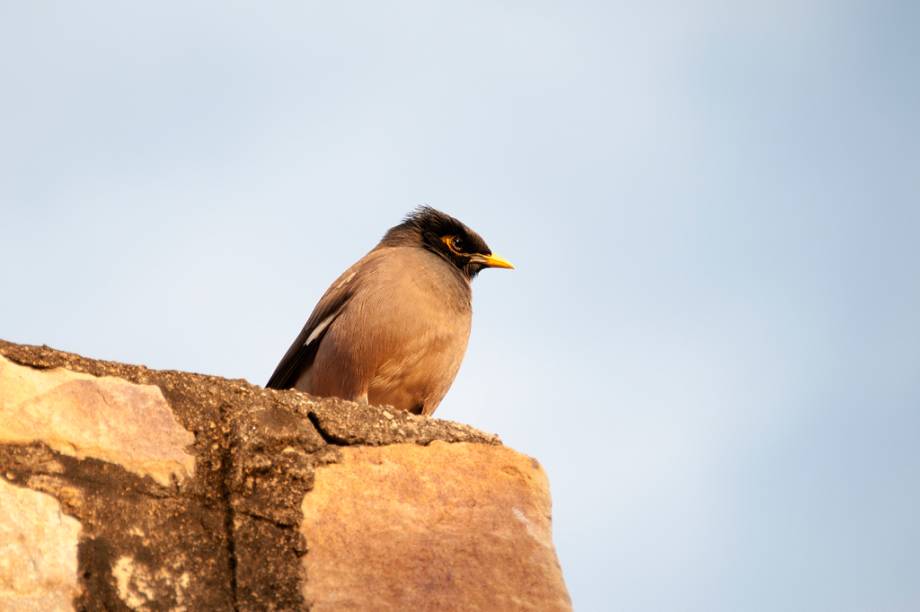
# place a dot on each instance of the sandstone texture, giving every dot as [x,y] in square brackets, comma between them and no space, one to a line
[88,416]
[443,527]
[125,488]
[38,551]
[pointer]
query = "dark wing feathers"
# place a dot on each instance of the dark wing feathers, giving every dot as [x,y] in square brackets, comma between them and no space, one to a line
[301,354]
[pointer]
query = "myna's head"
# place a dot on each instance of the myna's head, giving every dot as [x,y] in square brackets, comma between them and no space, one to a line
[431,229]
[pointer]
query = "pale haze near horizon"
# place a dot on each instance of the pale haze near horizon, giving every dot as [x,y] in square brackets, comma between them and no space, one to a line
[712,338]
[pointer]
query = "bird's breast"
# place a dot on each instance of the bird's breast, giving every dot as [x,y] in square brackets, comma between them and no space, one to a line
[431,330]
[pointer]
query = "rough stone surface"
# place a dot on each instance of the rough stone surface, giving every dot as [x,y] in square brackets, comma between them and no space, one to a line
[347,423]
[88,416]
[38,551]
[186,492]
[443,527]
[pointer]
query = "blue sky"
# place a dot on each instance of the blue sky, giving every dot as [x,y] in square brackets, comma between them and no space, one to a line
[712,339]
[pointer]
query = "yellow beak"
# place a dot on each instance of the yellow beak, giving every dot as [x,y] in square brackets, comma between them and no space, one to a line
[494,261]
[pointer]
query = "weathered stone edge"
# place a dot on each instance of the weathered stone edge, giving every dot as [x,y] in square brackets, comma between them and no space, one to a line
[338,421]
[250,427]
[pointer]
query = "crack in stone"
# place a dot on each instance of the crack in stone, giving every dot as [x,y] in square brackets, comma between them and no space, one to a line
[226,464]
[267,519]
[329,438]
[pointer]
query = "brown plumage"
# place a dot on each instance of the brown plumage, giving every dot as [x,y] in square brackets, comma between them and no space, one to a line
[393,328]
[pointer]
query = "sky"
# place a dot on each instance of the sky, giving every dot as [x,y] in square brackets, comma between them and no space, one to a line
[711,341]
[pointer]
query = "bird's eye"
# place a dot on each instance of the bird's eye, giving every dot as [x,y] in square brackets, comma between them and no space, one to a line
[457,244]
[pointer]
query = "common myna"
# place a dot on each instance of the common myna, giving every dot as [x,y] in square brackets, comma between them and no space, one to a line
[393,328]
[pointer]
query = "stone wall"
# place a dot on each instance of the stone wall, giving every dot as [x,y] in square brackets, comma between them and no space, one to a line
[123,487]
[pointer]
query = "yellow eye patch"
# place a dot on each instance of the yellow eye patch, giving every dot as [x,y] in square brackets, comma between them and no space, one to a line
[454,243]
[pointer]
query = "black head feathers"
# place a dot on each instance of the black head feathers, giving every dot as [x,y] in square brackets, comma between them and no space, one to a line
[444,235]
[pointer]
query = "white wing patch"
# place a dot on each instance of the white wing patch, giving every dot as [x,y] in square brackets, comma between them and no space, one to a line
[319,329]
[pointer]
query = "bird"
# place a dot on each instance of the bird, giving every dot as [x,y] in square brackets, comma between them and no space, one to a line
[393,328]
